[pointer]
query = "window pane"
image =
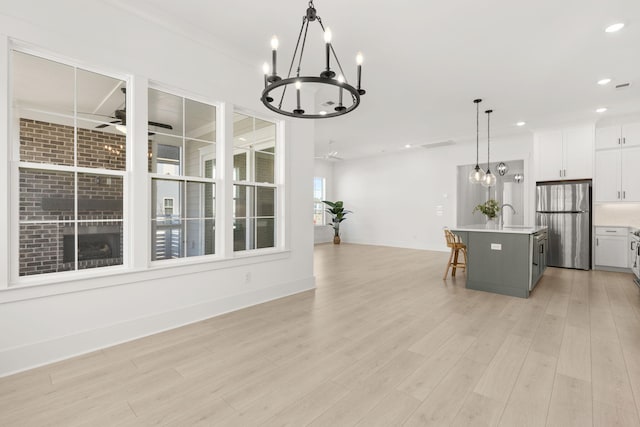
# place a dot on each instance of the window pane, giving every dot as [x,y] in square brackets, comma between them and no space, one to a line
[166,158]
[243,202]
[103,148]
[200,237]
[200,200]
[243,234]
[265,233]
[42,248]
[242,130]
[266,200]
[47,141]
[46,195]
[166,239]
[99,197]
[195,154]
[42,84]
[161,190]
[99,244]
[264,167]
[240,165]
[165,109]
[200,121]
[102,98]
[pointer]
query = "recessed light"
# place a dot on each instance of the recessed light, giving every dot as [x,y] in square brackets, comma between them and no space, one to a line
[521,123]
[601,110]
[322,113]
[407,146]
[603,82]
[614,27]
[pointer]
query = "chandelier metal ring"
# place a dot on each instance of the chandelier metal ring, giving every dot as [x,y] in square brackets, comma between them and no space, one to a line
[355,96]
[273,81]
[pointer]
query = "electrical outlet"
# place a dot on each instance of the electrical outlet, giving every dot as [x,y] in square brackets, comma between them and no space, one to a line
[247,277]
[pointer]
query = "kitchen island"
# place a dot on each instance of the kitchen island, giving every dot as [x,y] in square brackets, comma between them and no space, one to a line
[505,260]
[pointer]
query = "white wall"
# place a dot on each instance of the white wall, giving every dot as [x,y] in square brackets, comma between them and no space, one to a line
[40,324]
[397,198]
[324,233]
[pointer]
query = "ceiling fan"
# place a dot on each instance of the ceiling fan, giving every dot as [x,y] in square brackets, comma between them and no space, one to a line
[121,119]
[331,155]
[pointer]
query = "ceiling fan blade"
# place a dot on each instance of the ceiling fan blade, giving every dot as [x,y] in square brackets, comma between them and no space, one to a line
[104,125]
[160,125]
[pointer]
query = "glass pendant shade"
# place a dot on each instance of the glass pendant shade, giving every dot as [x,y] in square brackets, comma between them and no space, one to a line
[476,176]
[489,179]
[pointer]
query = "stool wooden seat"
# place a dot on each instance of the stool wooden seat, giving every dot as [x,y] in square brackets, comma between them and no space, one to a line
[456,246]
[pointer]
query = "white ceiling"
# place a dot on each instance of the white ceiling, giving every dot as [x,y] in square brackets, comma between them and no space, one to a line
[425,61]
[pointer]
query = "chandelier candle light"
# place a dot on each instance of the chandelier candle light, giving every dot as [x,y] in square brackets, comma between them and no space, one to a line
[477,174]
[275,87]
[489,178]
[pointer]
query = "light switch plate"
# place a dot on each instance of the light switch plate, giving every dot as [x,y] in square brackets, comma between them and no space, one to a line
[496,246]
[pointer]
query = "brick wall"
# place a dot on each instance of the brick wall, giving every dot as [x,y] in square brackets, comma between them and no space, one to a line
[49,195]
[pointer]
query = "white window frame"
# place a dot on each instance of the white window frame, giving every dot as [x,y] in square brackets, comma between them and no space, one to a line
[15,280]
[218,251]
[278,184]
[319,201]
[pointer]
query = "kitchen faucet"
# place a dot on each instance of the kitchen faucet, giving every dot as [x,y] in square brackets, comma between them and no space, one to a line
[501,219]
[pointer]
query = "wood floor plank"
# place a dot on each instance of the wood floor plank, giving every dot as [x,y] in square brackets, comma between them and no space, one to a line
[575,353]
[529,400]
[442,406]
[571,403]
[501,374]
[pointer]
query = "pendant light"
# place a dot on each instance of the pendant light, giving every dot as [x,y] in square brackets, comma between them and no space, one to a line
[489,178]
[476,176]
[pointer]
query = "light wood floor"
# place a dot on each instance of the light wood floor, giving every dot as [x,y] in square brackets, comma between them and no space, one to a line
[382,341]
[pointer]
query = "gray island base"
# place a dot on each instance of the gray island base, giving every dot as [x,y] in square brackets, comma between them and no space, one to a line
[507,261]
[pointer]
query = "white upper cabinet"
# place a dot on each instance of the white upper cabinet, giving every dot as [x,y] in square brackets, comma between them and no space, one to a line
[549,159]
[631,135]
[564,153]
[607,181]
[627,135]
[617,175]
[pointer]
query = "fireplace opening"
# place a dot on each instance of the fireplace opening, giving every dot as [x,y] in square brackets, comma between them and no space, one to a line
[92,246]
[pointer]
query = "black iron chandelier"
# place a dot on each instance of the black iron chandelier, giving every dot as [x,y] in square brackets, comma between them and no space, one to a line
[275,87]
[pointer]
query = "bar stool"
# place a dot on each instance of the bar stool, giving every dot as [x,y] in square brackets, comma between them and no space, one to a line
[456,246]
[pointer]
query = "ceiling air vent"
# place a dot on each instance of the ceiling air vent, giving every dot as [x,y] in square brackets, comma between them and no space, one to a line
[438,144]
[623,85]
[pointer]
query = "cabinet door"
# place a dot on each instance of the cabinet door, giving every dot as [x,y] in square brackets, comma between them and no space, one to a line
[631,134]
[630,174]
[607,177]
[608,137]
[578,152]
[611,251]
[549,155]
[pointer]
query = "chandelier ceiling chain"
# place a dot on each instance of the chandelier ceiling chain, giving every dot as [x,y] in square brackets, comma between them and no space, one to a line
[272,81]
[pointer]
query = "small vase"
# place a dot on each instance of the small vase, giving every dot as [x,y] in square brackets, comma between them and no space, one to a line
[336,240]
[491,224]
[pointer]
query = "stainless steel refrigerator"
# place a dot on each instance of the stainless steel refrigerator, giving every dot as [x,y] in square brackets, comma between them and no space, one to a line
[566,209]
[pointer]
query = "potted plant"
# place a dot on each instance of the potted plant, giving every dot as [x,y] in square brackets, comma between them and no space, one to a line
[489,208]
[338,214]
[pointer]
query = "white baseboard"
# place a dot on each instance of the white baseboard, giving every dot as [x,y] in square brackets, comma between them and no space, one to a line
[33,355]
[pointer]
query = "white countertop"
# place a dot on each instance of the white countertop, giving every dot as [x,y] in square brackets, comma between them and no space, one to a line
[513,229]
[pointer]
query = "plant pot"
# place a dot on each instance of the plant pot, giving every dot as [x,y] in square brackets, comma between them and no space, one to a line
[491,224]
[336,240]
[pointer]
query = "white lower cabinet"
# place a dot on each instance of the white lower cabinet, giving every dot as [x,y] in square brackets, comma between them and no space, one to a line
[611,247]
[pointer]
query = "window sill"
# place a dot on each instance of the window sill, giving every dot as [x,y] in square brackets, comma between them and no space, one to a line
[39,287]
